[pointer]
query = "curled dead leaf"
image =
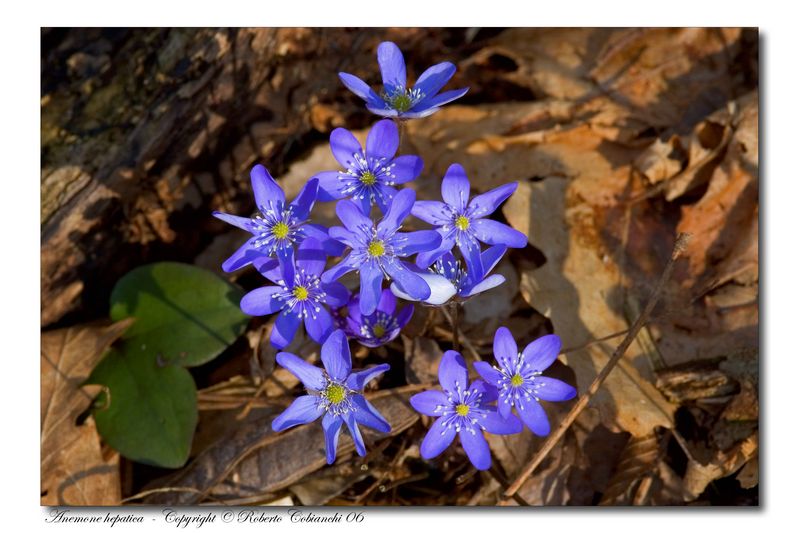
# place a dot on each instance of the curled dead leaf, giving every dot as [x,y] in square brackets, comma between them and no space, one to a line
[73,469]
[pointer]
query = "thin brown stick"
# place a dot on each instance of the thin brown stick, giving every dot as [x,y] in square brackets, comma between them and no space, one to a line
[595,341]
[497,474]
[462,339]
[145,493]
[581,404]
[455,344]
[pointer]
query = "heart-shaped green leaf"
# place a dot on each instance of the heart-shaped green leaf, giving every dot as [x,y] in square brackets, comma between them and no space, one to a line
[148,412]
[184,314]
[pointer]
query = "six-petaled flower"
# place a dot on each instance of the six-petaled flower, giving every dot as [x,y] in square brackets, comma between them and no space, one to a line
[462,409]
[278,226]
[462,222]
[299,295]
[519,379]
[376,250]
[336,394]
[398,100]
[369,175]
[380,327]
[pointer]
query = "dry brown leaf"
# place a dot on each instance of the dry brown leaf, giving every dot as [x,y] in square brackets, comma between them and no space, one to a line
[483,313]
[74,471]
[717,299]
[253,460]
[670,76]
[749,475]
[729,208]
[662,160]
[625,80]
[578,468]
[698,475]
[739,418]
[704,146]
[634,471]
[695,380]
[326,484]
[579,289]
[422,365]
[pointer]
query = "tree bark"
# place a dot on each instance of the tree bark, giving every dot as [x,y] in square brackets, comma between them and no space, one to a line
[145,132]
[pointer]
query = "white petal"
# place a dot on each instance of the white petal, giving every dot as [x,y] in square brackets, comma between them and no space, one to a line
[441,290]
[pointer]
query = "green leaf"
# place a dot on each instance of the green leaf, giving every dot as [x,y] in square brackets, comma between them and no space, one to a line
[185,314]
[149,412]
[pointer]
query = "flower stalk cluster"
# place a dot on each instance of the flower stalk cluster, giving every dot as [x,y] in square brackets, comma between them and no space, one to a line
[443,265]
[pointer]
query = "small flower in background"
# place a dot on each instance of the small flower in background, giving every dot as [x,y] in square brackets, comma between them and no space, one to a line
[396,99]
[298,294]
[462,221]
[376,249]
[336,393]
[380,327]
[449,277]
[462,410]
[340,313]
[519,381]
[369,174]
[277,227]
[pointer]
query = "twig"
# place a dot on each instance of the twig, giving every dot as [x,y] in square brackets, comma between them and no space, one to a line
[462,338]
[497,474]
[455,343]
[595,341]
[581,404]
[166,489]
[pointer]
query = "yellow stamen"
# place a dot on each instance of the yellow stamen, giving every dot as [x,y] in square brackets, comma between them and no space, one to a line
[462,409]
[462,223]
[376,248]
[378,330]
[280,230]
[516,380]
[300,292]
[335,393]
[368,178]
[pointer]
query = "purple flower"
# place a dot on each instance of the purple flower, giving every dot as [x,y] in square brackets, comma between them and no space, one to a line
[298,294]
[449,277]
[396,100]
[340,313]
[462,221]
[462,410]
[369,174]
[519,380]
[376,249]
[336,393]
[277,226]
[380,327]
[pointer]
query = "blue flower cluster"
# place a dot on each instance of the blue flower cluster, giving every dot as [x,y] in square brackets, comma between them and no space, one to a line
[293,255]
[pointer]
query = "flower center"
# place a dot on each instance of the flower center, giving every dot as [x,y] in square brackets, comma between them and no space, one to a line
[402,99]
[368,178]
[335,394]
[280,230]
[462,223]
[379,330]
[462,409]
[376,248]
[300,293]
[400,102]
[517,380]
